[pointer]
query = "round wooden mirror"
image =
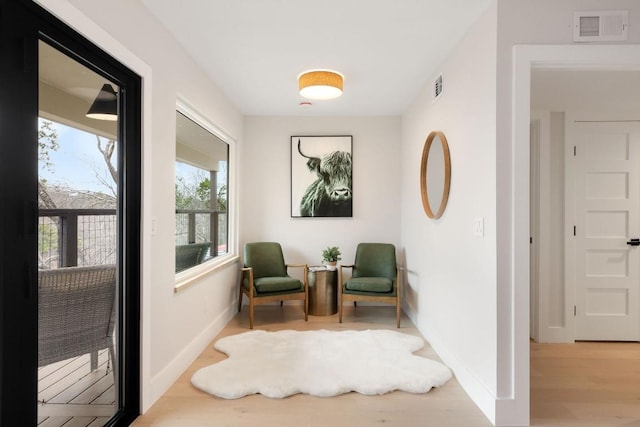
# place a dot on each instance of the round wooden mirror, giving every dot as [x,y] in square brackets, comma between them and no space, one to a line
[435,174]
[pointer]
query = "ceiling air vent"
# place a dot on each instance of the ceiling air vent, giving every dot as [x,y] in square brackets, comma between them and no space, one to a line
[437,87]
[600,26]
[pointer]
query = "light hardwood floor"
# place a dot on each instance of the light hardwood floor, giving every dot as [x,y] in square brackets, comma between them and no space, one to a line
[590,385]
[585,384]
[185,406]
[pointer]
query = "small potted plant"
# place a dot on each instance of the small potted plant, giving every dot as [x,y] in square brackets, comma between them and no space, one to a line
[330,257]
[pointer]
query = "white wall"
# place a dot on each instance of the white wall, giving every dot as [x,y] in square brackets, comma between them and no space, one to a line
[452,273]
[176,327]
[520,22]
[266,186]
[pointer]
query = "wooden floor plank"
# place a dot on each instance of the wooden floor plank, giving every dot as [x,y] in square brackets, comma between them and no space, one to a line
[54,422]
[72,410]
[74,367]
[74,394]
[80,422]
[66,383]
[98,422]
[80,386]
[90,394]
[108,397]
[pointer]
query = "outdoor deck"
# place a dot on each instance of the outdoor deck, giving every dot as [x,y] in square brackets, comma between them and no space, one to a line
[70,395]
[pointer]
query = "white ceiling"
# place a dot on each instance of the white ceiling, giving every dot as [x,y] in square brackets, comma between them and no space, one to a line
[388,50]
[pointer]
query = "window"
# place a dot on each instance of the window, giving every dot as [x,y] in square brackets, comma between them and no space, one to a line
[201,194]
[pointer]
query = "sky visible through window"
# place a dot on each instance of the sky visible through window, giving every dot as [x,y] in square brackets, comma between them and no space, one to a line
[193,175]
[77,163]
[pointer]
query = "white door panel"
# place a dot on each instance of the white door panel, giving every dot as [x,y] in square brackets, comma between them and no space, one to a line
[606,172]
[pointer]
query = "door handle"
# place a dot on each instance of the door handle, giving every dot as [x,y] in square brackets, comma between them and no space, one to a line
[634,242]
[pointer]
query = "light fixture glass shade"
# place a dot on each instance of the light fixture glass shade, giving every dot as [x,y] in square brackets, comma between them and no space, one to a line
[320,84]
[105,106]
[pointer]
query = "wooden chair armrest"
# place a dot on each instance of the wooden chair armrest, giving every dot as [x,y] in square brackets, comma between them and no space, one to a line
[244,270]
[340,280]
[295,265]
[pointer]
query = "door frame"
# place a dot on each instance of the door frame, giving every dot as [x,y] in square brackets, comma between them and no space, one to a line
[534,244]
[67,13]
[524,58]
[24,25]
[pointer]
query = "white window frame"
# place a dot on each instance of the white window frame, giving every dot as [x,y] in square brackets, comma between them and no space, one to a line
[190,276]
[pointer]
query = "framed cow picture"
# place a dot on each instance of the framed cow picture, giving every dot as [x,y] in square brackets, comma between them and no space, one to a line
[321,171]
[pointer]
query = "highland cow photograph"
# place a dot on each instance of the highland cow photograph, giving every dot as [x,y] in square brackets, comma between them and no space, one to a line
[321,172]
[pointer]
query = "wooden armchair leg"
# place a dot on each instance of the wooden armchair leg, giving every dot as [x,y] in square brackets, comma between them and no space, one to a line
[281,302]
[240,301]
[251,307]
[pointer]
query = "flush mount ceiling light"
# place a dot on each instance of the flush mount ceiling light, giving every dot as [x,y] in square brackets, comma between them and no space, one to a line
[105,106]
[320,84]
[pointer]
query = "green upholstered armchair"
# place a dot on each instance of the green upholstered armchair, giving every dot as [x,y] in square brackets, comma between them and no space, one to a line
[264,278]
[375,277]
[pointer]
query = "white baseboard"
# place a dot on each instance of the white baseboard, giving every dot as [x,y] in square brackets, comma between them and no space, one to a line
[555,334]
[472,385]
[410,312]
[161,382]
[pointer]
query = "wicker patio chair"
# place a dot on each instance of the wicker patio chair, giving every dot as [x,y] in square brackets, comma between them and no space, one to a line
[76,313]
[192,254]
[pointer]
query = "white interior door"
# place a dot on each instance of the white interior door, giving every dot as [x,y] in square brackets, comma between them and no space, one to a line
[606,262]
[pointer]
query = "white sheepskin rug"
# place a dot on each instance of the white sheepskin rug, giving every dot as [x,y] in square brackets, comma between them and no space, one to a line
[319,363]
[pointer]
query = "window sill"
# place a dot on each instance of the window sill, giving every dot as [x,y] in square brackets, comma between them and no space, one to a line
[186,278]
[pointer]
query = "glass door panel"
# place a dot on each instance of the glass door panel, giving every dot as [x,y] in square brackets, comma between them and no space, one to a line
[77,243]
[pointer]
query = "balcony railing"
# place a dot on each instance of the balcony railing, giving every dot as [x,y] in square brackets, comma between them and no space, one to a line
[70,237]
[200,226]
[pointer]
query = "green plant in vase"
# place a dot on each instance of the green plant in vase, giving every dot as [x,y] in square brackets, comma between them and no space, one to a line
[331,256]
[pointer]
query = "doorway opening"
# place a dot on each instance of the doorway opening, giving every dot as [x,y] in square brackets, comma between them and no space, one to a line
[529,59]
[584,209]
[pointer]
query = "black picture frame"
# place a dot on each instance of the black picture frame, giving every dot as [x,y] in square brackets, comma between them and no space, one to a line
[321,176]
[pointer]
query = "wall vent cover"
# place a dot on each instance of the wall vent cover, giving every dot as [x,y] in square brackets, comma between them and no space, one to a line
[437,87]
[600,26]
